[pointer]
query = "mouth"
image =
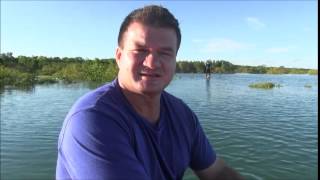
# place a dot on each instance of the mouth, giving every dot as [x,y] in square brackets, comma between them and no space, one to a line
[152,75]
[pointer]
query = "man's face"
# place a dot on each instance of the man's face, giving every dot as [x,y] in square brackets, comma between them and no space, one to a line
[147,58]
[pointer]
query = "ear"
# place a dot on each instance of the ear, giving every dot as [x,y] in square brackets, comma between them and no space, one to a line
[118,55]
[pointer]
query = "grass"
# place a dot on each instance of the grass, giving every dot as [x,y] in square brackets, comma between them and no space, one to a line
[307,86]
[264,85]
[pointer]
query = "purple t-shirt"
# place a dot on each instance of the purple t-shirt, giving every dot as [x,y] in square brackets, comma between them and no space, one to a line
[103,137]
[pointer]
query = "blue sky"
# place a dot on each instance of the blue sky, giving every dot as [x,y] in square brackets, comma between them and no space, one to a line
[271,33]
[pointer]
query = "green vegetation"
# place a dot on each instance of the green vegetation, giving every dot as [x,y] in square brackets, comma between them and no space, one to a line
[222,66]
[313,72]
[11,76]
[26,71]
[45,79]
[264,85]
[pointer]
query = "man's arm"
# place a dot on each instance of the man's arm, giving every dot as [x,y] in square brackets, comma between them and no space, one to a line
[219,171]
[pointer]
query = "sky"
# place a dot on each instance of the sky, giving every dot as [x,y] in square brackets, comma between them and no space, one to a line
[269,33]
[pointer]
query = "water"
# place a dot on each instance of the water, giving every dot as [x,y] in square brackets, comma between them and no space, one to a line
[264,134]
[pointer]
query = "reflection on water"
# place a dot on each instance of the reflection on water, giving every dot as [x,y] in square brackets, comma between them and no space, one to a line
[263,134]
[31,88]
[208,90]
[10,89]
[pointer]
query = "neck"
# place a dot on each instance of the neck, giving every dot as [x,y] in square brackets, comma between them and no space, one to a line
[145,105]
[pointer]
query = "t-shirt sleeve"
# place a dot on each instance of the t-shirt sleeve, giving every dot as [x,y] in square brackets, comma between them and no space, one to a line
[202,153]
[95,146]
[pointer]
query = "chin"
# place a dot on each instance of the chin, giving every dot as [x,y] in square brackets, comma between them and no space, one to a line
[151,90]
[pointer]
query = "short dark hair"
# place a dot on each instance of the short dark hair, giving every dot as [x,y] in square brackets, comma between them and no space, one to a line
[152,15]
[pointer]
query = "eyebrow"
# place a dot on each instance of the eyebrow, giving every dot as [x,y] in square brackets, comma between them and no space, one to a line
[167,49]
[142,46]
[139,45]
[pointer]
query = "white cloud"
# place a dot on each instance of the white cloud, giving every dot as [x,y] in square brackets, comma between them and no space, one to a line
[224,45]
[278,50]
[255,23]
[197,40]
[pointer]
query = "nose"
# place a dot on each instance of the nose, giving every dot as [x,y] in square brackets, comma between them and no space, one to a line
[151,61]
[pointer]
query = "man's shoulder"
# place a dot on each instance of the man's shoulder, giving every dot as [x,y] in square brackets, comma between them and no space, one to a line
[175,102]
[171,98]
[94,99]
[182,116]
[99,108]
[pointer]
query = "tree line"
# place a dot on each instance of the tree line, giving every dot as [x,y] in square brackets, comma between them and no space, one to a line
[24,70]
[222,66]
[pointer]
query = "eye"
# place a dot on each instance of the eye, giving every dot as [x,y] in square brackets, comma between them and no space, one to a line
[165,53]
[140,51]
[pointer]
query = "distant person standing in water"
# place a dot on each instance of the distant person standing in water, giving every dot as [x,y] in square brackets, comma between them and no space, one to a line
[131,128]
[207,69]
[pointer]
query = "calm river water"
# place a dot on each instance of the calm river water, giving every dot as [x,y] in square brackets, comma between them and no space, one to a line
[264,134]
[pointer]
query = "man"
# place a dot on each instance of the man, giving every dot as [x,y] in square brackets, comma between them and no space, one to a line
[131,128]
[207,69]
